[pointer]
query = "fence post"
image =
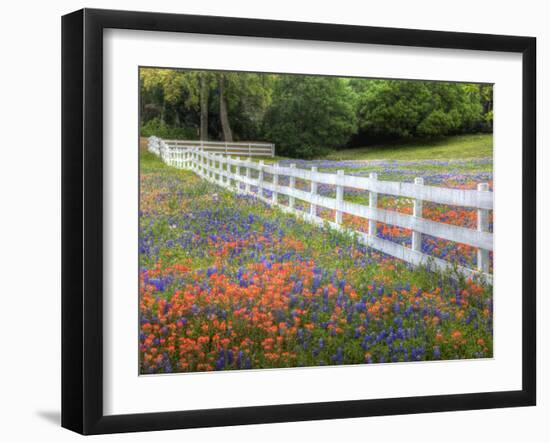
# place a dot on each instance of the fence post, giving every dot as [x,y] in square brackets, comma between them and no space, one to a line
[213,167]
[228,172]
[238,174]
[339,197]
[221,169]
[275,183]
[215,176]
[210,166]
[416,243]
[249,150]
[261,179]
[291,185]
[225,171]
[483,226]
[373,203]
[247,184]
[313,206]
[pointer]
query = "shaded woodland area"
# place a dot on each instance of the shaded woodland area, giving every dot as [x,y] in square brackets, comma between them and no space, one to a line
[305,115]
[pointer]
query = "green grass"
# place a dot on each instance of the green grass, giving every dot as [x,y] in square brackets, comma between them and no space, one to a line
[460,147]
[149,162]
[266,160]
[456,147]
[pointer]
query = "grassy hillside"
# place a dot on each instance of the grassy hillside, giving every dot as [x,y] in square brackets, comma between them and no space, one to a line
[457,147]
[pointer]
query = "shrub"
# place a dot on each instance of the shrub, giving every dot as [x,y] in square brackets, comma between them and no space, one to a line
[161,129]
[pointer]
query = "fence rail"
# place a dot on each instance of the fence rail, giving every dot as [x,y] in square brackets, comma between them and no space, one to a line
[235,174]
[250,149]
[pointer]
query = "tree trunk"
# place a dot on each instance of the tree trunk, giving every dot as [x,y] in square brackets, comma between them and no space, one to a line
[204,107]
[163,112]
[224,118]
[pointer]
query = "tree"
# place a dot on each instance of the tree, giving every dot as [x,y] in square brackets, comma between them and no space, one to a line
[310,115]
[403,109]
[486,97]
[306,115]
[224,118]
[171,97]
[249,97]
[204,78]
[246,99]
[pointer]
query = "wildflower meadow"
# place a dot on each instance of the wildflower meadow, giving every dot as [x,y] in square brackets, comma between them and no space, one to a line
[230,283]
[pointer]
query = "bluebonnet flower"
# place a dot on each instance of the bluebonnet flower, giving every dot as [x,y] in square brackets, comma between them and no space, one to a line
[338,358]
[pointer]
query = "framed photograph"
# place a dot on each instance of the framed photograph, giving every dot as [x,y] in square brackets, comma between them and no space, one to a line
[269,221]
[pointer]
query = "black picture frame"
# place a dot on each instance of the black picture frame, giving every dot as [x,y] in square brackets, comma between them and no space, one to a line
[82,219]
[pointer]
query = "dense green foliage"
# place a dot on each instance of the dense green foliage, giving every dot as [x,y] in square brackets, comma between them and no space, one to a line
[306,116]
[161,129]
[404,109]
[309,114]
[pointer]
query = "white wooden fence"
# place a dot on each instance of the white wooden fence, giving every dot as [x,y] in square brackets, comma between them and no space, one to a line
[249,149]
[235,174]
